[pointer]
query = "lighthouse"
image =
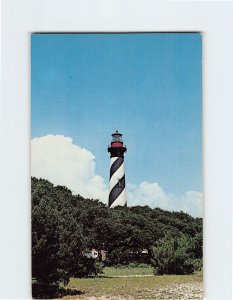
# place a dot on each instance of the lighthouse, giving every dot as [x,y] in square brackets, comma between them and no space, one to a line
[117,194]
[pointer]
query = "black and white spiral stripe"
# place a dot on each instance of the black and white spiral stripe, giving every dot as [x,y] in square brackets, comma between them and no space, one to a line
[117,195]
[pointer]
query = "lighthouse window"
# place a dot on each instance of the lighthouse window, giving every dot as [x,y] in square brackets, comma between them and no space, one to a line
[117,138]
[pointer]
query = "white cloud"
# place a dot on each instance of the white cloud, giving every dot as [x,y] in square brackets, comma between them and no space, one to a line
[153,195]
[57,159]
[192,203]
[146,194]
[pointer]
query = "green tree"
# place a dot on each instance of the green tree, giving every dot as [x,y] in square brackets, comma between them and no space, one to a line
[171,255]
[66,227]
[58,242]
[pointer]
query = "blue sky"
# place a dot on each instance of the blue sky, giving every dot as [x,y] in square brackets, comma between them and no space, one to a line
[148,86]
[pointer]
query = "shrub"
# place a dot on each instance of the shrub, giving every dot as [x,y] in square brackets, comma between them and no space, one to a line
[171,256]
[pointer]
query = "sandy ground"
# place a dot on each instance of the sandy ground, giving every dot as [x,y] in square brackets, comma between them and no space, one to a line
[185,291]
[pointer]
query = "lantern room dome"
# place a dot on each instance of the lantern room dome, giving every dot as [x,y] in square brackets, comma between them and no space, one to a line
[117,137]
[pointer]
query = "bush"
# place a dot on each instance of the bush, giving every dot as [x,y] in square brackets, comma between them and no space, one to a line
[88,267]
[171,256]
[58,243]
[198,264]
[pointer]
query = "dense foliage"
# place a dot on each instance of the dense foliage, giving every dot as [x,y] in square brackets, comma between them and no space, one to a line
[65,227]
[175,255]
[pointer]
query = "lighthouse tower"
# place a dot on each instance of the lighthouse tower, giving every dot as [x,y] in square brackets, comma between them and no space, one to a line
[117,195]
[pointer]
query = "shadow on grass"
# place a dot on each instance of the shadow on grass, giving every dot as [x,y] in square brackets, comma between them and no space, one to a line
[40,291]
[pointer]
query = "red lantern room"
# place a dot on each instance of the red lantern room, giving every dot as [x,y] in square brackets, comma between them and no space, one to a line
[117,148]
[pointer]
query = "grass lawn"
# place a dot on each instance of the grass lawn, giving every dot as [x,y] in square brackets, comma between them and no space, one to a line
[108,271]
[145,287]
